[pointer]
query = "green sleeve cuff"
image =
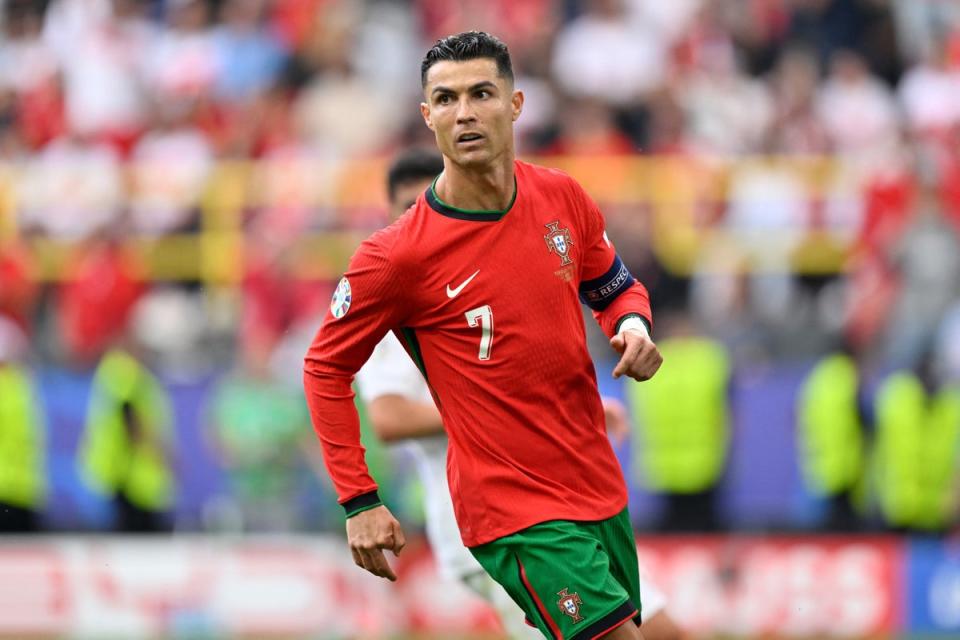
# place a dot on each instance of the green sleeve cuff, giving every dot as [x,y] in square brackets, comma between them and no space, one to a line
[361,503]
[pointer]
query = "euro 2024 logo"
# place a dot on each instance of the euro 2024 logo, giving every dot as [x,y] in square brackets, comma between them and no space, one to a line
[342,296]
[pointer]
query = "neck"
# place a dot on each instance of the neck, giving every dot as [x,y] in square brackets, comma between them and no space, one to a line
[488,188]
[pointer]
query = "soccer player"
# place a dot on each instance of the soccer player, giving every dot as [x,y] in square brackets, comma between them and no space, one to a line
[401,410]
[482,280]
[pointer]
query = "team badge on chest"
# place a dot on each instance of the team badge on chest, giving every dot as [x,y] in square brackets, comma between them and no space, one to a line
[570,603]
[559,242]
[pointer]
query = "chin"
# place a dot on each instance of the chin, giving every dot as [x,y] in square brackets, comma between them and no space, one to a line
[475,158]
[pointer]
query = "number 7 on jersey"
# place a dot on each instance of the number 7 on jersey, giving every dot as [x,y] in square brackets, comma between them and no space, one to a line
[484,316]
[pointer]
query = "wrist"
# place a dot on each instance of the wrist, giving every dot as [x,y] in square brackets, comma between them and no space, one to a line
[634,322]
[361,503]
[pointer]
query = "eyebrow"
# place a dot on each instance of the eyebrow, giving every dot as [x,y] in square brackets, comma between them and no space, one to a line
[486,84]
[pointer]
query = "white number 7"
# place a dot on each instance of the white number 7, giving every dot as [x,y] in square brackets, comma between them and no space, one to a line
[485,315]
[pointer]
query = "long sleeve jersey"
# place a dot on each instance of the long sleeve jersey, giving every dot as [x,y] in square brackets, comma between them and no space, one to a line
[487,304]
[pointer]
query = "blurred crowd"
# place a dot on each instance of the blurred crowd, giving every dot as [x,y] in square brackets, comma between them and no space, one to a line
[117,116]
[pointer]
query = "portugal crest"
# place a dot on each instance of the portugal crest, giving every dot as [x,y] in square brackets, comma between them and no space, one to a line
[570,603]
[558,242]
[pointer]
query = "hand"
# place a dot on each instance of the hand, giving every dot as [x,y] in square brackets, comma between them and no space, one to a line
[615,415]
[368,534]
[639,357]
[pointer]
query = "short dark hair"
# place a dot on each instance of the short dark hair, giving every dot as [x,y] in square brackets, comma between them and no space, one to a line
[413,164]
[468,45]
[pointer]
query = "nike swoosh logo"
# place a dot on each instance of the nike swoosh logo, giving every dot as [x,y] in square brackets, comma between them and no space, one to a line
[453,293]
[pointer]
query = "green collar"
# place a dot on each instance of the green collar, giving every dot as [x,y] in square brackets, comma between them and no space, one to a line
[476,215]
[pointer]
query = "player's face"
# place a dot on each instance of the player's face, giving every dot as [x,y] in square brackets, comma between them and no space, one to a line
[406,194]
[471,110]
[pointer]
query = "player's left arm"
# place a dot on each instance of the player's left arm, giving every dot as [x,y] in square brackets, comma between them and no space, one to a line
[619,302]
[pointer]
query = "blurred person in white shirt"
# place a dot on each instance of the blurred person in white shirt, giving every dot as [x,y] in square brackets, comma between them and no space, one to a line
[26,60]
[101,46]
[170,167]
[929,93]
[603,54]
[857,109]
[183,63]
[72,188]
[728,111]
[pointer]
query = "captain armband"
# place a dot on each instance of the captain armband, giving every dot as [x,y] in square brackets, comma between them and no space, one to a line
[600,292]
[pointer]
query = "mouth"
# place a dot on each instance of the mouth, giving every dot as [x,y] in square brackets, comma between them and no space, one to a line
[469,137]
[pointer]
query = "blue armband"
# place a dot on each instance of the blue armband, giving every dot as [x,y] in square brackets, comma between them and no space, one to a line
[600,292]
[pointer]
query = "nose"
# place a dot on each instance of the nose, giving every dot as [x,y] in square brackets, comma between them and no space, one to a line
[465,112]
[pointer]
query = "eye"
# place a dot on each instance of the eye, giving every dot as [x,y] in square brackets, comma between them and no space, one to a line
[444,99]
[483,94]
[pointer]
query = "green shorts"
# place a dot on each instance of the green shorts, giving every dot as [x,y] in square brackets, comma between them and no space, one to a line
[574,580]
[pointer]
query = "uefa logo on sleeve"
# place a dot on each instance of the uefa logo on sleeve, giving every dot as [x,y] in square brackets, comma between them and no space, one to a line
[340,303]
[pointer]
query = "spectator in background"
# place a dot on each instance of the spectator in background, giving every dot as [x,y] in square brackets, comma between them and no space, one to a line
[671,21]
[276,298]
[29,70]
[10,142]
[769,213]
[872,280]
[929,94]
[338,86]
[249,55]
[602,54]
[25,58]
[260,429]
[23,482]
[588,128]
[927,266]
[94,305]
[858,111]
[517,20]
[832,437]
[101,46]
[921,25]
[667,131]
[917,445]
[728,112]
[682,416]
[183,64]
[796,126]
[72,189]
[171,166]
[126,454]
[829,26]
[18,289]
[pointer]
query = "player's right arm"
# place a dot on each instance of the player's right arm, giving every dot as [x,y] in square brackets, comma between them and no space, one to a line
[368,302]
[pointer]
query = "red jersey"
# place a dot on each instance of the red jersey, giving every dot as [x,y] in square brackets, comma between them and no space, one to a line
[488,305]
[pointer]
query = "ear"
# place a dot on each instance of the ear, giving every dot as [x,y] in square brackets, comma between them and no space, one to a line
[425,112]
[516,102]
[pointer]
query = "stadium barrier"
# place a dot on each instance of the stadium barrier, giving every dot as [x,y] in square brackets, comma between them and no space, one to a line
[806,211]
[302,586]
